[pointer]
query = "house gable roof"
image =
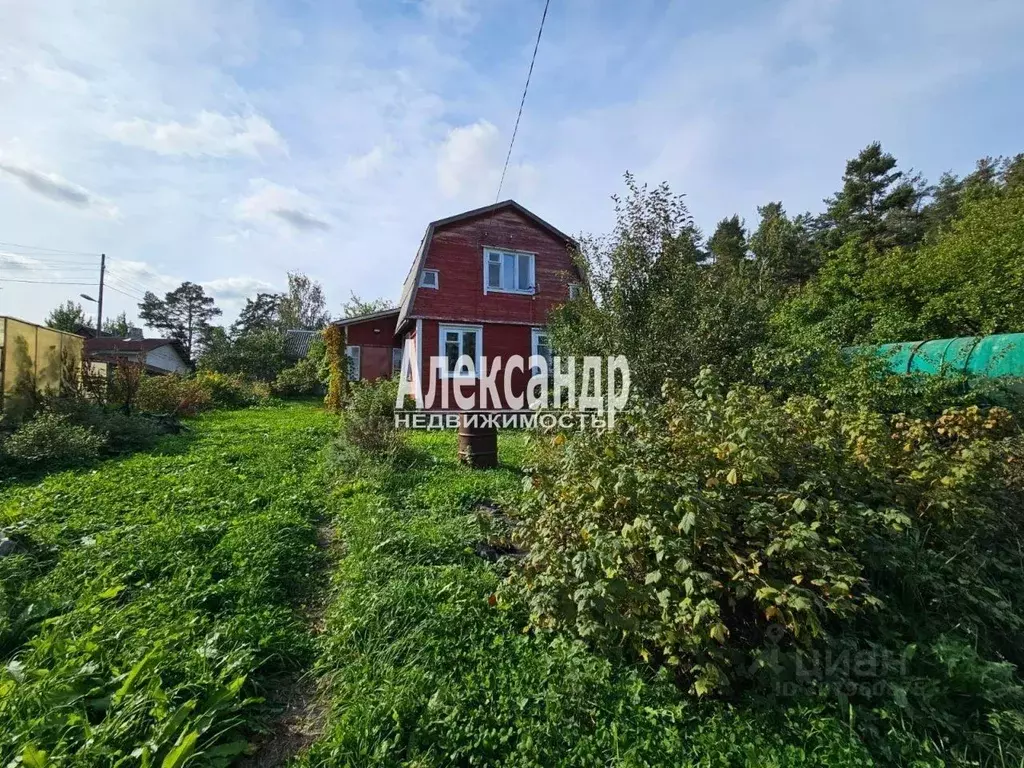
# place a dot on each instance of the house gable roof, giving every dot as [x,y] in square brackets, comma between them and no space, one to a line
[111,345]
[412,279]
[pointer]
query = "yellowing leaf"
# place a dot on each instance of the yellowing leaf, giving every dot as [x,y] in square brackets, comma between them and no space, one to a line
[733,477]
[719,632]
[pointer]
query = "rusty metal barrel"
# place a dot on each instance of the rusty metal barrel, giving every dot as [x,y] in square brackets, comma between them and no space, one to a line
[478,445]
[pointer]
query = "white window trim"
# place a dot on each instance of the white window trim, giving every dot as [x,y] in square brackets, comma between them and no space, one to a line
[400,352]
[534,334]
[357,359]
[575,290]
[437,279]
[443,353]
[533,271]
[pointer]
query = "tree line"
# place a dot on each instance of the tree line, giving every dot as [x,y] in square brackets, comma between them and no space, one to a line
[252,345]
[889,258]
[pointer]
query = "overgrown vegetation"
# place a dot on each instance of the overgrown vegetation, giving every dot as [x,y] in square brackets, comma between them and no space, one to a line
[150,604]
[421,669]
[801,523]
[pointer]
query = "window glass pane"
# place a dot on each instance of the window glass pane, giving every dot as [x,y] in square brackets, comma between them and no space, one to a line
[494,275]
[494,257]
[524,273]
[508,276]
[451,349]
[469,345]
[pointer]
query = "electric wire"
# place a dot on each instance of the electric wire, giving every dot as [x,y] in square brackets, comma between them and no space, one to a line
[522,101]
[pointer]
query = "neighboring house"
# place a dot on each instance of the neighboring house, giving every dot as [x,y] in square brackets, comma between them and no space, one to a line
[482,285]
[296,344]
[160,356]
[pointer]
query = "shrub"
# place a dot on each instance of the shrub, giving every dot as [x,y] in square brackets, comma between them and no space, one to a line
[368,421]
[121,432]
[303,378]
[52,437]
[731,537]
[232,391]
[173,394]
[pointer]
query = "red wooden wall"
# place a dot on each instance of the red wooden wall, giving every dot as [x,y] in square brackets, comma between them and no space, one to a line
[457,252]
[499,340]
[375,339]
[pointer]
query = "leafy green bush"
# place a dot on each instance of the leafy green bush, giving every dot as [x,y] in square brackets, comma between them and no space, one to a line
[232,391]
[368,423]
[732,537]
[122,433]
[174,394]
[53,438]
[303,378]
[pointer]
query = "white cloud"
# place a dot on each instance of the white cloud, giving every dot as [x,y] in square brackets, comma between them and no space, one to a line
[211,134]
[271,204]
[470,162]
[447,9]
[58,189]
[237,288]
[362,167]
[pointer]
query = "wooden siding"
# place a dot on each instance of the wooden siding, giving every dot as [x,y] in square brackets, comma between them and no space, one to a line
[456,251]
[375,339]
[498,341]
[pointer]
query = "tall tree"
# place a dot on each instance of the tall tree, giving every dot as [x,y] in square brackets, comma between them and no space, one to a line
[69,316]
[782,247]
[184,314]
[878,204]
[303,305]
[260,314]
[728,245]
[356,306]
[117,326]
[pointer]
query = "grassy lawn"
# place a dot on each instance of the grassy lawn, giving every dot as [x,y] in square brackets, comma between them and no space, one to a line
[420,669]
[157,598]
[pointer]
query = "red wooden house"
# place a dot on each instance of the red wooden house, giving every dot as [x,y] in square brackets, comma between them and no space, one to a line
[482,286]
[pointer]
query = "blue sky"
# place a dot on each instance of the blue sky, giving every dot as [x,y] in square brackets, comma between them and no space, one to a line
[228,142]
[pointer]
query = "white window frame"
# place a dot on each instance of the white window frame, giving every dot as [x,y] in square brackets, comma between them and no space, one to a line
[488,251]
[442,352]
[535,334]
[437,279]
[396,360]
[575,289]
[354,354]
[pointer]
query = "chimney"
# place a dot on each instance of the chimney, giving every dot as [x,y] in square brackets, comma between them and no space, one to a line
[134,334]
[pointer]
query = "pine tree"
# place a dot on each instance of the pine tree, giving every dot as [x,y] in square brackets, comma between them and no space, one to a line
[728,245]
[184,314]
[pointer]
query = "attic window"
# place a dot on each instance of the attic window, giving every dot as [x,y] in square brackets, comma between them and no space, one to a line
[508,272]
[428,279]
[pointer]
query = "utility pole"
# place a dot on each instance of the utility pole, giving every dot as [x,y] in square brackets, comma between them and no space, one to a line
[99,302]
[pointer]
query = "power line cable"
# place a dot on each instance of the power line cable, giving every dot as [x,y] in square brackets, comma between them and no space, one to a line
[522,101]
[124,293]
[125,285]
[39,248]
[42,282]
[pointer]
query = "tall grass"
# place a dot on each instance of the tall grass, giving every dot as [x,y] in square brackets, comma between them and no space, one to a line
[420,669]
[155,600]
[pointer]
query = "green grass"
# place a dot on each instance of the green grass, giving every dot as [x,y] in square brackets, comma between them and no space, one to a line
[157,598]
[420,670]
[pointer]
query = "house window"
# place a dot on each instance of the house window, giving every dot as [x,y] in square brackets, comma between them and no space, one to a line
[458,342]
[541,346]
[508,272]
[574,290]
[352,353]
[396,360]
[429,278]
